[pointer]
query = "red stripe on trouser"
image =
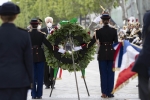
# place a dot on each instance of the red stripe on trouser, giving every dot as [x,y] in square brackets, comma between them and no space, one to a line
[60,73]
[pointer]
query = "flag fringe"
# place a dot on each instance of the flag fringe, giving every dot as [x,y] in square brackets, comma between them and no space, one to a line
[123,84]
[116,69]
[82,76]
[58,78]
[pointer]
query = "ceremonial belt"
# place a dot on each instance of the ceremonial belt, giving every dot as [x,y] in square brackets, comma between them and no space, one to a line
[105,43]
[36,46]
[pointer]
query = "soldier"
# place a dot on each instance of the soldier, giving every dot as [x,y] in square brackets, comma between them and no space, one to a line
[37,39]
[40,25]
[137,35]
[106,36]
[142,64]
[49,71]
[122,34]
[16,63]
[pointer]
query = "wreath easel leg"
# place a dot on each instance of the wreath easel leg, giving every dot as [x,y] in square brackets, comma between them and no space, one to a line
[83,76]
[54,80]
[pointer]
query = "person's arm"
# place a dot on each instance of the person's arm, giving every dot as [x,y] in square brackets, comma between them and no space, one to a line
[54,48]
[86,45]
[116,36]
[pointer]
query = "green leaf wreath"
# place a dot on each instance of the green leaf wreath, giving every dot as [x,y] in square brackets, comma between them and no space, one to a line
[59,38]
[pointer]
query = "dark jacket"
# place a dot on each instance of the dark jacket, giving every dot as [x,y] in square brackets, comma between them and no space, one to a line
[45,30]
[37,39]
[146,24]
[142,64]
[16,64]
[106,36]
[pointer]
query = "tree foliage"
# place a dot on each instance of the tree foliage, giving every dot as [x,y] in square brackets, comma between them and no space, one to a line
[59,9]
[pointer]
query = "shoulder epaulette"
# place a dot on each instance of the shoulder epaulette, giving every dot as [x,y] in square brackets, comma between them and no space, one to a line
[22,29]
[42,32]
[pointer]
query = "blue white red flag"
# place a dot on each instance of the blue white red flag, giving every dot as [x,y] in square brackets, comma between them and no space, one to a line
[124,60]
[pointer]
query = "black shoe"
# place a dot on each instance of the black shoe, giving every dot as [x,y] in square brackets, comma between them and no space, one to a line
[111,96]
[47,87]
[39,98]
[33,97]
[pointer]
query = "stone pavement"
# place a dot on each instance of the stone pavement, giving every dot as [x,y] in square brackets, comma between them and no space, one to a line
[66,87]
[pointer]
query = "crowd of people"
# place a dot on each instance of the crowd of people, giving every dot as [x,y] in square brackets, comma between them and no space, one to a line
[131,32]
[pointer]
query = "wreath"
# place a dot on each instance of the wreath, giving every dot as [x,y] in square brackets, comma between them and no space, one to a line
[60,38]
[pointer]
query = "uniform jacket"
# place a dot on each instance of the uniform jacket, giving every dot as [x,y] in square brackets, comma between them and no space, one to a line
[37,39]
[142,64]
[106,36]
[16,61]
[45,30]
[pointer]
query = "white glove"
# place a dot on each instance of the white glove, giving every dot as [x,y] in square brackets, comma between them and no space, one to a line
[77,48]
[62,51]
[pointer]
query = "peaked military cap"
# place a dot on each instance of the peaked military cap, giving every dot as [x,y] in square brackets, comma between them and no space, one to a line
[9,8]
[40,20]
[105,16]
[34,21]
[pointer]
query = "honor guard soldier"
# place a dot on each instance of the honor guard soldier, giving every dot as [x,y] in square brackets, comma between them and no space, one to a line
[137,36]
[40,25]
[106,36]
[37,39]
[16,60]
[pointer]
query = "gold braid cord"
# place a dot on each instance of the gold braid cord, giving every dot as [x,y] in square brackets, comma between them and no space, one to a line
[88,44]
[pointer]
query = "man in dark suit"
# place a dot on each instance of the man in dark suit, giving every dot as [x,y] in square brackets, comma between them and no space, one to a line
[142,64]
[16,64]
[37,39]
[49,71]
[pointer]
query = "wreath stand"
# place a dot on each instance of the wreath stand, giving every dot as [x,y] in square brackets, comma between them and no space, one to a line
[71,41]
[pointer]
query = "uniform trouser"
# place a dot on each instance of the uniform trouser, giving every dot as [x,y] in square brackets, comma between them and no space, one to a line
[48,75]
[13,93]
[106,76]
[37,89]
[144,92]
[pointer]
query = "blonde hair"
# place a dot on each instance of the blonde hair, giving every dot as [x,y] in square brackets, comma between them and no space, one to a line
[8,18]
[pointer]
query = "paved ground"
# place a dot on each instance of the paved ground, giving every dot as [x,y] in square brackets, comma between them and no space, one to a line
[66,88]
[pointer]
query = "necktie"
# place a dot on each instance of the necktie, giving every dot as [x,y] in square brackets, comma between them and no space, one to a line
[49,30]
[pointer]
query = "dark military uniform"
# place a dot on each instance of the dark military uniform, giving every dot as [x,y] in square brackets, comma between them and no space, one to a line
[142,64]
[16,63]
[37,39]
[106,36]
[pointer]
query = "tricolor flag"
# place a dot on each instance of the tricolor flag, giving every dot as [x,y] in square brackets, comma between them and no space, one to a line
[125,56]
[58,73]
[118,55]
